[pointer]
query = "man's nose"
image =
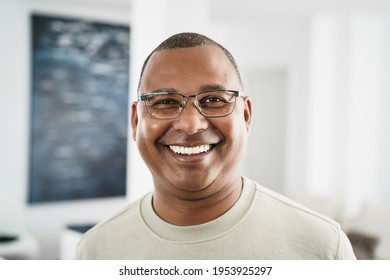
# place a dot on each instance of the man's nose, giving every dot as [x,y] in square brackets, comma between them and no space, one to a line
[190,120]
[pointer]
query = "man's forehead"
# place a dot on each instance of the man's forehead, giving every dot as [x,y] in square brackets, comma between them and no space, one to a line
[207,61]
[174,55]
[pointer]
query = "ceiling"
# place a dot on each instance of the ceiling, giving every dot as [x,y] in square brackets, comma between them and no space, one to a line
[230,10]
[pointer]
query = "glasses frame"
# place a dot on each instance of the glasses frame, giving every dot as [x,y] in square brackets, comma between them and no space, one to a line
[236,93]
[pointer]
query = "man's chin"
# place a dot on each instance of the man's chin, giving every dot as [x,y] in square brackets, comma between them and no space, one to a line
[195,188]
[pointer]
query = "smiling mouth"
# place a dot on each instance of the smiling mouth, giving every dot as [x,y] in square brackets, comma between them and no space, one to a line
[190,150]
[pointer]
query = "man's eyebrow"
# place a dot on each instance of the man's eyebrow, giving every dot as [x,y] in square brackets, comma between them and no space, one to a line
[202,88]
[164,90]
[212,87]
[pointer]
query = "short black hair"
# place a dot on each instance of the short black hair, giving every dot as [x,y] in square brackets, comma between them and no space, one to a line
[187,40]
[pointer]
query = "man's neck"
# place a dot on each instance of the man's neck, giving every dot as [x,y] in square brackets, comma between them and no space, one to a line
[188,212]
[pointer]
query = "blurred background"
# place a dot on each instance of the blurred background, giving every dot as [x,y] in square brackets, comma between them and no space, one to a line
[317,72]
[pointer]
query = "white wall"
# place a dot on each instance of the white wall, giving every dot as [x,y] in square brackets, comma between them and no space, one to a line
[347,118]
[13,106]
[265,160]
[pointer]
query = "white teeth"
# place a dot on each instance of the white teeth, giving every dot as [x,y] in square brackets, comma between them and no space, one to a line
[190,150]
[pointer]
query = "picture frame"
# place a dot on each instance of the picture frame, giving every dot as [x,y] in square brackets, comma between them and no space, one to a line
[79,108]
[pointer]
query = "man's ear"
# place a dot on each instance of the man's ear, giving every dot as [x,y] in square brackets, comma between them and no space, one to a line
[134,119]
[247,112]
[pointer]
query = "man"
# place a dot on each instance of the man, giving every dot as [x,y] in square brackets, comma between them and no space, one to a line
[191,123]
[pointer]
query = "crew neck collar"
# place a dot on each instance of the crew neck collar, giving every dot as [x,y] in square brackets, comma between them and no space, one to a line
[203,232]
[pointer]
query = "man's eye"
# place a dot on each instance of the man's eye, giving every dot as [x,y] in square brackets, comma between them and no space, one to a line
[212,102]
[165,103]
[212,99]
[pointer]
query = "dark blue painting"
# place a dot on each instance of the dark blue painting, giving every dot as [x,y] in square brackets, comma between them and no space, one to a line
[79,109]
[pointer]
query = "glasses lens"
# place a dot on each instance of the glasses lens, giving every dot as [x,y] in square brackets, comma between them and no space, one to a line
[163,105]
[216,103]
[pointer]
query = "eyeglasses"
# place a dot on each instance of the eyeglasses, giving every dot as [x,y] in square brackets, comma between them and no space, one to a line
[209,103]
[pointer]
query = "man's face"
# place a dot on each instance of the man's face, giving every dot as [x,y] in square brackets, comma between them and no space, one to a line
[213,147]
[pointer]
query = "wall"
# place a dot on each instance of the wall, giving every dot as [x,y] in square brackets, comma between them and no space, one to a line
[265,159]
[347,122]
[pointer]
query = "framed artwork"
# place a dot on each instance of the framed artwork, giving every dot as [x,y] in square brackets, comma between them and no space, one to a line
[79,109]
